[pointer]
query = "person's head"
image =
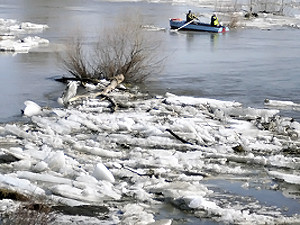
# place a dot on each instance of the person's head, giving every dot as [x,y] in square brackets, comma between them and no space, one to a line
[190,11]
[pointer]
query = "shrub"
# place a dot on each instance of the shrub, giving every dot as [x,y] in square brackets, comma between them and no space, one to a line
[75,61]
[122,49]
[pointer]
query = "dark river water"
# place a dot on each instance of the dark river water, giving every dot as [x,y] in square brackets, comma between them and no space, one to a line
[245,65]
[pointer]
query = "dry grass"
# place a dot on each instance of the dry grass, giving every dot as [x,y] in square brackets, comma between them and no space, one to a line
[10,194]
[29,212]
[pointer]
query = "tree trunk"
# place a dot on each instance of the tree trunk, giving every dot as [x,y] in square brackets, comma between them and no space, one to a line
[116,80]
[113,84]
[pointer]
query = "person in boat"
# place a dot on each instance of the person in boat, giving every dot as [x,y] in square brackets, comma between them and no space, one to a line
[190,16]
[214,21]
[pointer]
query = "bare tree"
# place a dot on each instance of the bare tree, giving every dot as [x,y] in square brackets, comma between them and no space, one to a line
[122,49]
[75,61]
[269,6]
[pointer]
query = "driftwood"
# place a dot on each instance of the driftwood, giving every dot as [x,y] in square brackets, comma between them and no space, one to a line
[113,103]
[115,81]
[113,84]
[179,138]
[67,79]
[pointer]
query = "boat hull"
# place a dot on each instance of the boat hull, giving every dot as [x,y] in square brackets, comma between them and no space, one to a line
[177,23]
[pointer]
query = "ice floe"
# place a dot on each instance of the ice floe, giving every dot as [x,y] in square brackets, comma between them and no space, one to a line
[282,104]
[13,36]
[31,108]
[151,152]
[289,178]
[15,27]
[102,173]
[22,45]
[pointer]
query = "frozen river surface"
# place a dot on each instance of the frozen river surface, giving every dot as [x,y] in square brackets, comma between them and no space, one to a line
[171,159]
[245,65]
